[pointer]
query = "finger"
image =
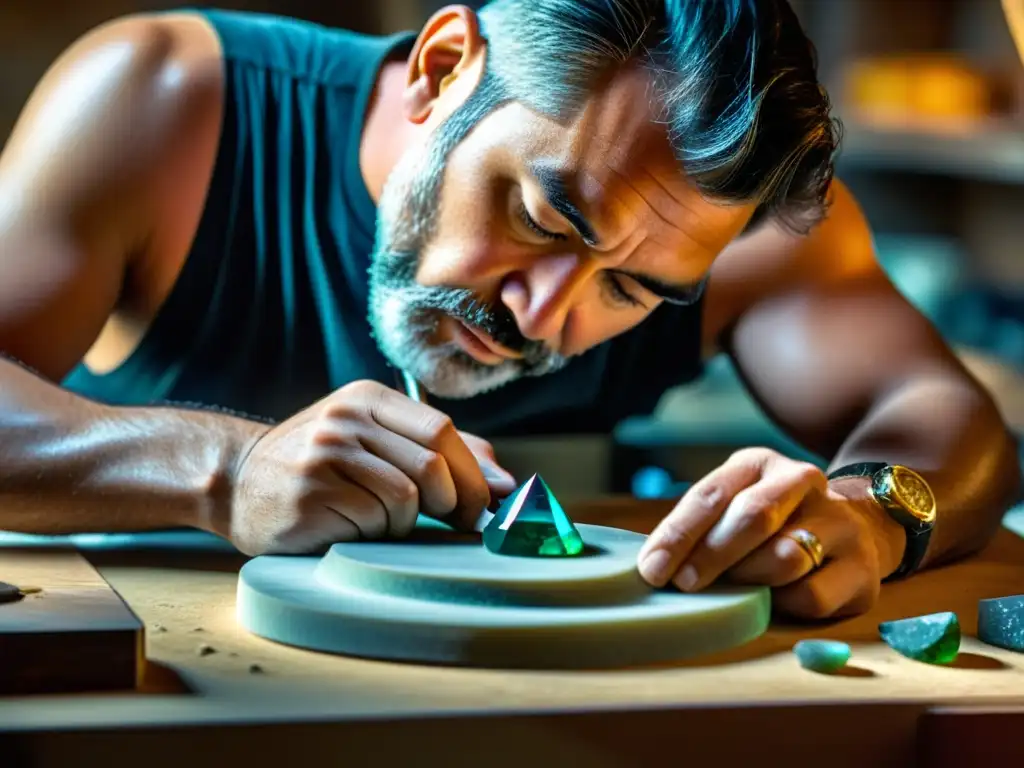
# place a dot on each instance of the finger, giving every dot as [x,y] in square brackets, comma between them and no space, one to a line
[481,448]
[321,526]
[396,493]
[331,523]
[844,587]
[699,509]
[498,479]
[781,560]
[752,518]
[434,430]
[426,468]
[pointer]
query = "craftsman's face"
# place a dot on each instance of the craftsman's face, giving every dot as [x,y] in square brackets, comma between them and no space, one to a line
[543,240]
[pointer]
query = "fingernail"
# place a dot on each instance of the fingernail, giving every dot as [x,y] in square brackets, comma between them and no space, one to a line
[687,578]
[654,567]
[497,474]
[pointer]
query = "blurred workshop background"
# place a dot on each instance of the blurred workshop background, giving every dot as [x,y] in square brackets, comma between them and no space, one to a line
[931,93]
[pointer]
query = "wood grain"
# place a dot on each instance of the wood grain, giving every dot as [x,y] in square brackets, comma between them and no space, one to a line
[955,737]
[74,635]
[189,602]
[248,695]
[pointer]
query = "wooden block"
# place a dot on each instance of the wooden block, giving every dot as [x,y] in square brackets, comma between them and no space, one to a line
[74,635]
[956,737]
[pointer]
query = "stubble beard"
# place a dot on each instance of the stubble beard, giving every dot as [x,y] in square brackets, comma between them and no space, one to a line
[405,316]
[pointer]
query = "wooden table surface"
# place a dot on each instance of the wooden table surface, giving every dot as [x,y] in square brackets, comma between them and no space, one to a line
[280,702]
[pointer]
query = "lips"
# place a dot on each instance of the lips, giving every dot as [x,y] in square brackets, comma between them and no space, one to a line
[479,345]
[490,343]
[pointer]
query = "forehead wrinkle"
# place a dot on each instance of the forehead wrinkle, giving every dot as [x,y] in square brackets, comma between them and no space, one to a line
[611,115]
[674,242]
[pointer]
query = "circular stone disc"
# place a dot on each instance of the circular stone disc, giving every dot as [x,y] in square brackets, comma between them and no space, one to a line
[442,598]
[440,565]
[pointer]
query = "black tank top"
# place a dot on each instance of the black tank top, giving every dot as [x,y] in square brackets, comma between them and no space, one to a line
[270,311]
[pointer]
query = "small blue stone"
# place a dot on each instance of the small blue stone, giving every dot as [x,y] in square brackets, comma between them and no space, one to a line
[1001,622]
[822,655]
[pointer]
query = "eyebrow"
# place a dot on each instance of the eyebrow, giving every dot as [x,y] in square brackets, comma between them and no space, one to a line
[552,183]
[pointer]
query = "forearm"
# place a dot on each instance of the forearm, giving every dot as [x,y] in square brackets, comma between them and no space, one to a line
[68,464]
[951,432]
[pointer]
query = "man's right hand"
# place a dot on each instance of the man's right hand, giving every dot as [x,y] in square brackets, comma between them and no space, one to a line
[361,463]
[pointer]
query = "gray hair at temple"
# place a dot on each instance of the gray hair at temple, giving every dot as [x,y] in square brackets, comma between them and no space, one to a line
[735,82]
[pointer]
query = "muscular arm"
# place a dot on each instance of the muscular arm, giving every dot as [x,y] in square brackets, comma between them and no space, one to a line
[81,183]
[846,366]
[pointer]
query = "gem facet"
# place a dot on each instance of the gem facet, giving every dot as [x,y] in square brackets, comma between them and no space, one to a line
[531,523]
[1001,622]
[822,655]
[933,639]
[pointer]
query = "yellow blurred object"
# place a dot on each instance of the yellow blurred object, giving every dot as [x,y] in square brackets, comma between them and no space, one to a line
[1014,10]
[879,87]
[915,87]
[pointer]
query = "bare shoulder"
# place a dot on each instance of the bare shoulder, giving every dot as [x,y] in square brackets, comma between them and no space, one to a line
[116,97]
[771,263]
[113,131]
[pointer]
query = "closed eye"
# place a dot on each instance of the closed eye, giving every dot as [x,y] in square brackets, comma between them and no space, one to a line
[612,284]
[536,228]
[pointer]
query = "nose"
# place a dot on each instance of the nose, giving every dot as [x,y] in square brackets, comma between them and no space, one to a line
[541,295]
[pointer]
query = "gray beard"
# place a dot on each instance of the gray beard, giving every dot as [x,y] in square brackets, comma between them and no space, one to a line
[404,315]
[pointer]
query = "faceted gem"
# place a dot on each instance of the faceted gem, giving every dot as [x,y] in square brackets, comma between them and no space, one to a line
[531,523]
[822,655]
[1001,622]
[933,639]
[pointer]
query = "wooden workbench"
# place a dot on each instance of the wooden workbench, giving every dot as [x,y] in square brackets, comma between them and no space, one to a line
[284,706]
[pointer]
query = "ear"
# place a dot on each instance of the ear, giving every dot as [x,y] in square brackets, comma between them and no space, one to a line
[446,47]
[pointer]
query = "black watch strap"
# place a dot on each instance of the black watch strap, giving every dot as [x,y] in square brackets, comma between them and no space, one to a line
[913,554]
[917,541]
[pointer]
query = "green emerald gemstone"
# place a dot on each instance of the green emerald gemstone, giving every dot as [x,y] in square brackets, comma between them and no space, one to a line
[531,523]
[822,655]
[933,639]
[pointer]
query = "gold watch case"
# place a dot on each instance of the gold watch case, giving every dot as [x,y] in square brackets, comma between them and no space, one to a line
[907,494]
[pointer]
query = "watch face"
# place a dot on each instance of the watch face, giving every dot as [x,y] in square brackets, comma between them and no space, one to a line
[911,491]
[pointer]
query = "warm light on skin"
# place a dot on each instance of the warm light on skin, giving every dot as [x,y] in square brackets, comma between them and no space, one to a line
[621,174]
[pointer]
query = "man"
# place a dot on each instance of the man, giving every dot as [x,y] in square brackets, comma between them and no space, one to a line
[547,213]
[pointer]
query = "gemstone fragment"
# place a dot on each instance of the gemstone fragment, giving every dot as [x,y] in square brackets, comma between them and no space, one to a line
[1001,622]
[825,656]
[933,639]
[531,523]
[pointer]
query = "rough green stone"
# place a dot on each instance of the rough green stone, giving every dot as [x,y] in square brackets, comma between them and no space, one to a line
[822,655]
[1001,622]
[933,639]
[531,523]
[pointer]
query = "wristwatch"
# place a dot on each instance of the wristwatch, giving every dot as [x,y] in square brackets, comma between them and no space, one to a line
[908,500]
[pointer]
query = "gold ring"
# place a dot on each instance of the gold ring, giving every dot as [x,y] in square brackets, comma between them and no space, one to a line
[810,544]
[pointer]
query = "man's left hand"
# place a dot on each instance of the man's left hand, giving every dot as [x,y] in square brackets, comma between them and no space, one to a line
[738,522]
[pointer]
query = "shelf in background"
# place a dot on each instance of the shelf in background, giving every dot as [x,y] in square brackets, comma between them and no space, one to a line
[985,152]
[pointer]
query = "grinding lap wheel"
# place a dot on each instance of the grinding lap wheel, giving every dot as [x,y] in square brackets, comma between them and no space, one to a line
[441,597]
